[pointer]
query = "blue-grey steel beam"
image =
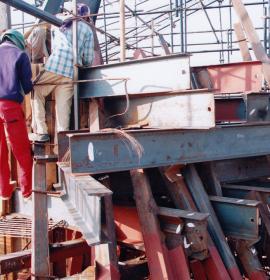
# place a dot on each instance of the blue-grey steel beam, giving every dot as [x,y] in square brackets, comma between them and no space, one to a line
[244,225]
[237,170]
[32,10]
[52,6]
[109,151]
[203,203]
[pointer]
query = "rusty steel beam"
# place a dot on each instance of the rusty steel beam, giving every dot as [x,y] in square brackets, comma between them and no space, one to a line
[22,260]
[109,152]
[40,239]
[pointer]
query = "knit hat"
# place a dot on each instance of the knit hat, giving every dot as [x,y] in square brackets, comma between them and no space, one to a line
[82,11]
[15,37]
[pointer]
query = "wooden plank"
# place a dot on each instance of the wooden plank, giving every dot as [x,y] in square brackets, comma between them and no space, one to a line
[40,240]
[94,116]
[88,274]
[253,37]
[242,41]
[187,110]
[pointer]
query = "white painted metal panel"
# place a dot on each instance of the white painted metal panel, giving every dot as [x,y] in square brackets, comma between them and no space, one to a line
[159,74]
[185,110]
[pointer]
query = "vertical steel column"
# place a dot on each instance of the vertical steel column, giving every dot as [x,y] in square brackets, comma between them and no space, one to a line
[40,242]
[182,27]
[268,28]
[110,227]
[185,15]
[265,27]
[171,26]
[122,31]
[75,62]
[155,248]
[202,201]
[105,31]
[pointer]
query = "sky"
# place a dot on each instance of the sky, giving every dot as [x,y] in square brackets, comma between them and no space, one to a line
[197,25]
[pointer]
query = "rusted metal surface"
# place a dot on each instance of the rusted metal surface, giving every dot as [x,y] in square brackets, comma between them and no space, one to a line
[249,259]
[63,250]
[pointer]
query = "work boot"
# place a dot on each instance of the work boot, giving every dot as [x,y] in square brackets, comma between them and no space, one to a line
[35,137]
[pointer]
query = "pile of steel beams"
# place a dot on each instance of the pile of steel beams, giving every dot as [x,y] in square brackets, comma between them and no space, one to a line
[189,198]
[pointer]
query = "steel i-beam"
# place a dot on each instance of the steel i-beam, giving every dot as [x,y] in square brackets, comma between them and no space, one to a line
[109,152]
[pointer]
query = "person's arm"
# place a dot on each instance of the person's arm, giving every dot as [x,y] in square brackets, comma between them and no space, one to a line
[27,33]
[25,73]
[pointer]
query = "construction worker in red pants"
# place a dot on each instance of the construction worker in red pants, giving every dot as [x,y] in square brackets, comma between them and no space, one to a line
[15,81]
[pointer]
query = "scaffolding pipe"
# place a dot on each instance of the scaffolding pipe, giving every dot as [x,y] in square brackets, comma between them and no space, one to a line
[75,61]
[122,31]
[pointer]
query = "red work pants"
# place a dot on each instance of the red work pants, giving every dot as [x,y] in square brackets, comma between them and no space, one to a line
[13,127]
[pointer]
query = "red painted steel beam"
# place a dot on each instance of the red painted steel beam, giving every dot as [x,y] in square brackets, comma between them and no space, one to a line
[197,270]
[178,262]
[229,110]
[232,77]
[155,247]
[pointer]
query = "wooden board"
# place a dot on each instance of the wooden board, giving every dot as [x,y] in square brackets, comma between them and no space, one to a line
[253,37]
[189,111]
[242,41]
